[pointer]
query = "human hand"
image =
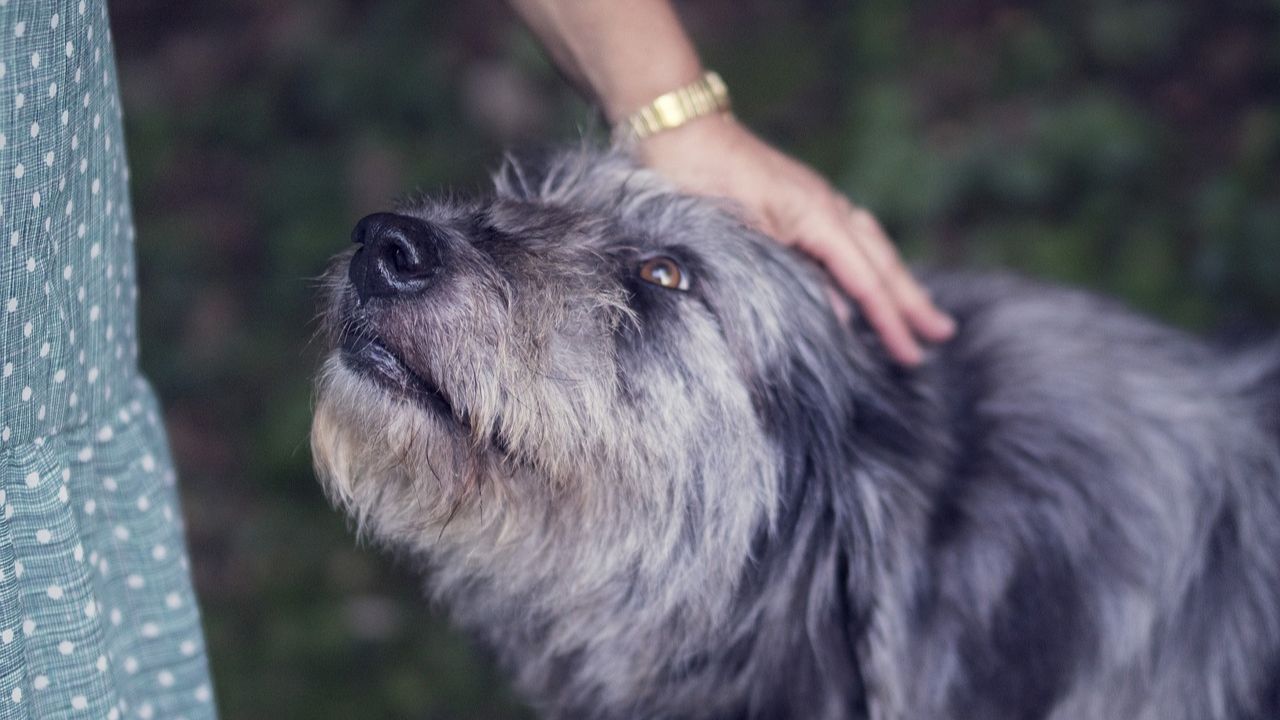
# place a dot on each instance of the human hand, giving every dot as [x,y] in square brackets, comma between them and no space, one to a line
[719,157]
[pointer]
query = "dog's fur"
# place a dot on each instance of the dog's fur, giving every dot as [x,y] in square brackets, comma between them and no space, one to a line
[727,503]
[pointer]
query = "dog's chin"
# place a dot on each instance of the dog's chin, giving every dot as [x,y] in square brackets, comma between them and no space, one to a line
[371,358]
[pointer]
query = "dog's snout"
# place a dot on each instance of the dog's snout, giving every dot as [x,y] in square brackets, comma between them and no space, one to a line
[399,255]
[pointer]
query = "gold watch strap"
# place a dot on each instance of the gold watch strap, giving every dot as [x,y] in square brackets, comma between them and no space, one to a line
[705,96]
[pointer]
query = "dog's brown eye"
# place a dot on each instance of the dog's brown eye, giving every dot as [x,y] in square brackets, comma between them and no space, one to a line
[664,272]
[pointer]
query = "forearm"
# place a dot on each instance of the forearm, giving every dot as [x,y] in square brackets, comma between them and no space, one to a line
[623,52]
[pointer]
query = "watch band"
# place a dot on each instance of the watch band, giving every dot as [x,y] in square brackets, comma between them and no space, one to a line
[706,96]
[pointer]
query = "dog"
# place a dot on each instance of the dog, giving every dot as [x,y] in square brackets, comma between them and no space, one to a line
[640,458]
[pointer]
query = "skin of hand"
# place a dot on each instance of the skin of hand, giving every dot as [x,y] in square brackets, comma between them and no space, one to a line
[625,54]
[717,156]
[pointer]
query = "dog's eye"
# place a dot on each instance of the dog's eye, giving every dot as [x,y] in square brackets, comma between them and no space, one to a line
[664,272]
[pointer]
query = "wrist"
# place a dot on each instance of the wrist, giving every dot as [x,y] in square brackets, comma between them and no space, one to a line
[634,90]
[705,97]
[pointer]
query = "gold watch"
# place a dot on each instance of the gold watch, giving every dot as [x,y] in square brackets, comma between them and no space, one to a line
[706,96]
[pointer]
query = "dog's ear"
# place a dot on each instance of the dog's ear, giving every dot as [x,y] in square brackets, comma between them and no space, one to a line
[523,172]
[839,303]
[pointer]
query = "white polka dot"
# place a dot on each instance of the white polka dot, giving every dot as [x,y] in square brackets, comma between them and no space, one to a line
[102,663]
[43,536]
[188,647]
[40,682]
[93,375]
[35,129]
[95,250]
[27,329]
[44,349]
[31,264]
[96,186]
[121,533]
[16,695]
[90,506]
[173,601]
[131,665]
[59,375]
[144,503]
[91,609]
[148,463]
[19,100]
[54,592]
[19,170]
[79,702]
[11,305]
[6,636]
[116,616]
[26,394]
[35,199]
[28,627]
[165,678]
[135,581]
[32,479]
[8,369]
[113,714]
[85,454]
[35,59]
[150,630]
[66,647]
[145,711]
[105,433]
[20,28]
[64,494]
[202,693]
[53,21]
[78,552]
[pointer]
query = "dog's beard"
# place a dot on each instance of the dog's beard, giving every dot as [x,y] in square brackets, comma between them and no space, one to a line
[399,470]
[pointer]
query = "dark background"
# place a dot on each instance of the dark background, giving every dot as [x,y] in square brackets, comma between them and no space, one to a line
[1132,147]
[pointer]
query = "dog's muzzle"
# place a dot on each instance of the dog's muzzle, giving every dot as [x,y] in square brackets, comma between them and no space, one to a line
[399,255]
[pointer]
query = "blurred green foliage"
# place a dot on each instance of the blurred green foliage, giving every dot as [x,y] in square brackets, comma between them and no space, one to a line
[1129,146]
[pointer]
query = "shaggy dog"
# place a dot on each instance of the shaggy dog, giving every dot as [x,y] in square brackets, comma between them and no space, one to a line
[645,462]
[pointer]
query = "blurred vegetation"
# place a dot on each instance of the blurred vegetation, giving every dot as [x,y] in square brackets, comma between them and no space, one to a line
[1128,146]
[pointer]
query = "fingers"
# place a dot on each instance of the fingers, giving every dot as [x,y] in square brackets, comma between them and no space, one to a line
[853,247]
[830,241]
[912,299]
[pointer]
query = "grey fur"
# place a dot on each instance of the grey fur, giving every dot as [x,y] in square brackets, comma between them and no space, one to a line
[726,503]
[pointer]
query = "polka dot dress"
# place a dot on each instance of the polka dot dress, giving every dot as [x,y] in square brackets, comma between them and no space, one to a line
[97,616]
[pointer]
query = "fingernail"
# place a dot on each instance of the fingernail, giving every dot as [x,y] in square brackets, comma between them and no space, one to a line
[946,325]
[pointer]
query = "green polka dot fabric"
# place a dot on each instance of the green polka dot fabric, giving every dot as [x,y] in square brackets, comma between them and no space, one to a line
[97,614]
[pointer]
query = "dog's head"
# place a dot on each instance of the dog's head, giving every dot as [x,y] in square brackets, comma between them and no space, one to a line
[575,377]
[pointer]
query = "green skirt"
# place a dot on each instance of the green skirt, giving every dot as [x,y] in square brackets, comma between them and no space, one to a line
[97,614]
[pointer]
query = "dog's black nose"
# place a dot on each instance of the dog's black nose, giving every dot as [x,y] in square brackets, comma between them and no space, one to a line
[400,255]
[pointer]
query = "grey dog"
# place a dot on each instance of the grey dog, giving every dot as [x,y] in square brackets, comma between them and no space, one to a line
[643,460]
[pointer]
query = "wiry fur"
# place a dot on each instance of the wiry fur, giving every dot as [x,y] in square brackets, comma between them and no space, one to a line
[728,504]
